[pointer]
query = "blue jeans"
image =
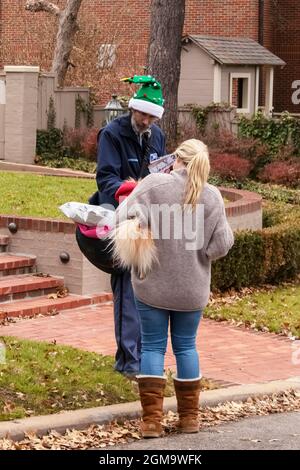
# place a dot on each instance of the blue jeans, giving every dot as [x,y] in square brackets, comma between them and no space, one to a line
[154,329]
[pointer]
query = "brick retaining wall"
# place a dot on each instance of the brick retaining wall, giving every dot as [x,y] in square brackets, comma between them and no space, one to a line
[47,238]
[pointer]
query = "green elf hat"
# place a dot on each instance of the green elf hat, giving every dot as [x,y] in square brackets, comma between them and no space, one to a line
[148,99]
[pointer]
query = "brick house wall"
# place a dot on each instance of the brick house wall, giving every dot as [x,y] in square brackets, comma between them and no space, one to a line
[20,29]
[286,44]
[265,38]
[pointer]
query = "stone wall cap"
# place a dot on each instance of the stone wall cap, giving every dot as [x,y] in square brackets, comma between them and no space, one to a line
[21,69]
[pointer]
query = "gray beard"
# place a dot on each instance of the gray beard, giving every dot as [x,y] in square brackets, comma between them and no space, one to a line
[136,130]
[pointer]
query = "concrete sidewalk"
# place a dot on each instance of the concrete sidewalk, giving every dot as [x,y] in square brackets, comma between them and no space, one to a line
[247,363]
[81,419]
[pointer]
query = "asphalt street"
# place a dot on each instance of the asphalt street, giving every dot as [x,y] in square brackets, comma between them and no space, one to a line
[273,432]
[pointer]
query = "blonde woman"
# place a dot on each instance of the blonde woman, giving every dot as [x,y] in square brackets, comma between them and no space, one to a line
[170,254]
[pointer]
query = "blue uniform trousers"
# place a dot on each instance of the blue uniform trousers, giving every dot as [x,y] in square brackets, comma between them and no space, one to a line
[127,324]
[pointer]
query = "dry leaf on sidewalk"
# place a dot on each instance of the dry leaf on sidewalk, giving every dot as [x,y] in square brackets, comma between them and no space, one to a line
[103,436]
[59,294]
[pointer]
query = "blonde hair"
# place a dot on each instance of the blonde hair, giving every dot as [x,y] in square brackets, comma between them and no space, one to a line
[194,154]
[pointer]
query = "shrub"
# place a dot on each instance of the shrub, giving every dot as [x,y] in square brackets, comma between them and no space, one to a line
[281,172]
[89,144]
[268,191]
[248,148]
[270,255]
[275,213]
[285,153]
[51,114]
[201,113]
[82,143]
[49,141]
[270,218]
[59,161]
[275,133]
[230,166]
[226,142]
[73,148]
[73,139]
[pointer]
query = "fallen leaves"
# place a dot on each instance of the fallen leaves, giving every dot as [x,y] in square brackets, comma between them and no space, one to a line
[251,308]
[231,296]
[6,321]
[59,294]
[8,407]
[103,436]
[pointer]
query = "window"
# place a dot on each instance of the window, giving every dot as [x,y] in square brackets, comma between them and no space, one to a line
[240,91]
[107,55]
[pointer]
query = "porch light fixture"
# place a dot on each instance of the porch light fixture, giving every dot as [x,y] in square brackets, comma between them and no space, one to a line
[113,109]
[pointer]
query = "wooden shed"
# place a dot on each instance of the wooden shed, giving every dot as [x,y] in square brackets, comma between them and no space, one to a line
[226,70]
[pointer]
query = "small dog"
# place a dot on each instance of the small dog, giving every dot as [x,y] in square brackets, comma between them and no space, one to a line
[133,246]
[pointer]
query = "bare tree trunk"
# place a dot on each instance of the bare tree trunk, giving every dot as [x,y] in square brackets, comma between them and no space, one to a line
[67,29]
[164,56]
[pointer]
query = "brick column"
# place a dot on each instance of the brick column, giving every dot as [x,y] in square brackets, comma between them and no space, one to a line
[21,113]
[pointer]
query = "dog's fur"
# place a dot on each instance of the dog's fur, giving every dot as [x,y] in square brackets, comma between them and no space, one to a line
[133,246]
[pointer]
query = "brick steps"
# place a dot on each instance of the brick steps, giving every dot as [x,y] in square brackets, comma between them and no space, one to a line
[23,294]
[4,240]
[16,264]
[23,286]
[45,306]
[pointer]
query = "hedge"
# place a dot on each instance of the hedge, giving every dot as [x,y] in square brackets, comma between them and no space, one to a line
[270,255]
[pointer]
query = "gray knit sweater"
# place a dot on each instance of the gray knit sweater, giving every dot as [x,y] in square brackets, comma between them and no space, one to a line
[180,280]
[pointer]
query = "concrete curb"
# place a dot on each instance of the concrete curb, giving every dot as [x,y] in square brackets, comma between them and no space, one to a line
[45,170]
[81,419]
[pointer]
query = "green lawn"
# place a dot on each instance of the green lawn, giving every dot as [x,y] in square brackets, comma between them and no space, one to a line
[39,196]
[276,310]
[42,378]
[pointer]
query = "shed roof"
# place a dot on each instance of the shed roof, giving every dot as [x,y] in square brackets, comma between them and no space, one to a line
[241,51]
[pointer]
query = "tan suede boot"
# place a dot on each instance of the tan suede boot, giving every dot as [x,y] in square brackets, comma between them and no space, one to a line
[187,394]
[151,390]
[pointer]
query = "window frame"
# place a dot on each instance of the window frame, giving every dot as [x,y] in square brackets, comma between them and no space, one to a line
[108,57]
[241,75]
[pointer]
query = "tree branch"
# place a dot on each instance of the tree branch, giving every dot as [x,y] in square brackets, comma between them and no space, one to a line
[42,5]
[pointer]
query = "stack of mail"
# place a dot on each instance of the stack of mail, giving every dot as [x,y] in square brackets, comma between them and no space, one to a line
[88,214]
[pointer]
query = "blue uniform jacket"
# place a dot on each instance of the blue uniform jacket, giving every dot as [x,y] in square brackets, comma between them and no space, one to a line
[120,157]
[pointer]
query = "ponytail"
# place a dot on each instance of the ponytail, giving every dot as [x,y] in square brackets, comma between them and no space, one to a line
[194,154]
